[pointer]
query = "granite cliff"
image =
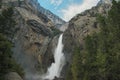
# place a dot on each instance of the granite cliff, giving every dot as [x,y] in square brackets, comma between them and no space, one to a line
[58,22]
[88,43]
[82,25]
[36,35]
[34,38]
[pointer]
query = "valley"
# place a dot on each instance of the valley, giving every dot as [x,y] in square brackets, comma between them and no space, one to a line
[36,44]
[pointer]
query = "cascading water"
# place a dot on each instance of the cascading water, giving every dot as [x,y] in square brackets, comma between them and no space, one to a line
[56,67]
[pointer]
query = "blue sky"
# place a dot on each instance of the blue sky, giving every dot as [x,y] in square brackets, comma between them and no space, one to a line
[66,9]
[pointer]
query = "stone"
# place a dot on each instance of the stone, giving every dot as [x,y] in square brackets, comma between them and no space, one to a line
[39,28]
[79,27]
[13,76]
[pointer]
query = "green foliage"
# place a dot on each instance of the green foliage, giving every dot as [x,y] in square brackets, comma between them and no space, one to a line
[0,3]
[76,65]
[69,75]
[100,60]
[6,22]
[19,3]
[55,31]
[7,62]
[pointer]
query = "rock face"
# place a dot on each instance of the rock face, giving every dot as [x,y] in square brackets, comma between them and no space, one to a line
[39,28]
[55,19]
[64,27]
[33,38]
[12,76]
[80,26]
[48,57]
[105,2]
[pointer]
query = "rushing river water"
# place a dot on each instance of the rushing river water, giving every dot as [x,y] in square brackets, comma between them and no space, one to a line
[55,69]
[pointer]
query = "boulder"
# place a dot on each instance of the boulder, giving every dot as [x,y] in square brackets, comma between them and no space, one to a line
[13,76]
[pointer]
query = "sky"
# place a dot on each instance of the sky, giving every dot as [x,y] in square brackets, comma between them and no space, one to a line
[66,9]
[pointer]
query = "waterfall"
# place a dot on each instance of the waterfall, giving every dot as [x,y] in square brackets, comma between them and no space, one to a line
[55,69]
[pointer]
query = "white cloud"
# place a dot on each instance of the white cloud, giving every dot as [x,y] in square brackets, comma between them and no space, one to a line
[74,9]
[56,2]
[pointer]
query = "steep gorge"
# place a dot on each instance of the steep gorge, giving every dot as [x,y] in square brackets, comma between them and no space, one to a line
[36,37]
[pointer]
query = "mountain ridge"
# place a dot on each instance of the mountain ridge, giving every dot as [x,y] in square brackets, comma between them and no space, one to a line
[54,18]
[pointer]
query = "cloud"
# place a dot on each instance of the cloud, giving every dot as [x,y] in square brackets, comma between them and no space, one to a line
[74,9]
[56,2]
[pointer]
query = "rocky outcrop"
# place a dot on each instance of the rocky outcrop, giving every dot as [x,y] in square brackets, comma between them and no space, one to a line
[34,42]
[39,28]
[55,19]
[64,27]
[79,27]
[29,44]
[105,2]
[12,76]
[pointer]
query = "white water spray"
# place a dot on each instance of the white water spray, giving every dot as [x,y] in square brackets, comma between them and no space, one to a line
[55,68]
